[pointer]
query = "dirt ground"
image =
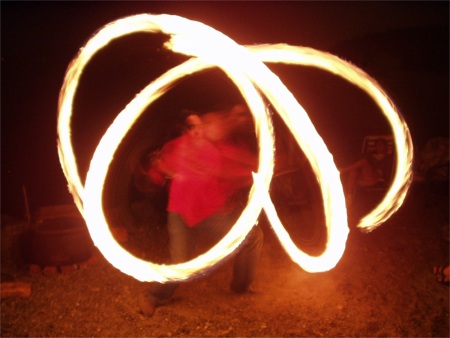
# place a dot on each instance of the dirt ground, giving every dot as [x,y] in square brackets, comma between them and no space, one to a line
[382,286]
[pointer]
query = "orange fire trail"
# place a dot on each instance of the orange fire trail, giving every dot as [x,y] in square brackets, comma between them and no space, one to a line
[403,142]
[244,66]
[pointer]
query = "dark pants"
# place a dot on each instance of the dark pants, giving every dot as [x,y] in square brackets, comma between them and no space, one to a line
[182,241]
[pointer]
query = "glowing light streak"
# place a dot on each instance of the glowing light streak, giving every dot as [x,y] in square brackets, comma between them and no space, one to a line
[242,66]
[404,147]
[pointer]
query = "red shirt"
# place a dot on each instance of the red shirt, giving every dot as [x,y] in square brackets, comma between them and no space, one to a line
[203,176]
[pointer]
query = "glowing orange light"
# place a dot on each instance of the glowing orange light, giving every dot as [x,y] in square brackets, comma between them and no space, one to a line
[245,67]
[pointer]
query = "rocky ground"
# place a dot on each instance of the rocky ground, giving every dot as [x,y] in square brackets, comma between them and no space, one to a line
[382,286]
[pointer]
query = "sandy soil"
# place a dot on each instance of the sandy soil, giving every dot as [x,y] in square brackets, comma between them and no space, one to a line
[382,286]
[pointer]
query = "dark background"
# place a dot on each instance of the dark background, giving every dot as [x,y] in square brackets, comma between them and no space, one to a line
[404,45]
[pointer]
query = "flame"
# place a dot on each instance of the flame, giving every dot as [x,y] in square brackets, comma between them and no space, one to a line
[245,67]
[403,142]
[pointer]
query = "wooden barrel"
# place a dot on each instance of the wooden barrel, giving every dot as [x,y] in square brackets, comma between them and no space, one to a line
[58,242]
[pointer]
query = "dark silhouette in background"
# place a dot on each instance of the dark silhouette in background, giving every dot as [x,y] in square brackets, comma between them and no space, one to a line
[373,170]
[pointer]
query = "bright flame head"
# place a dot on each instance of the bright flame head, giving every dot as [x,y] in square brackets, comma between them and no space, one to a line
[245,67]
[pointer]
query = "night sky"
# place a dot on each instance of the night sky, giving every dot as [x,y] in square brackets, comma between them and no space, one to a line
[404,45]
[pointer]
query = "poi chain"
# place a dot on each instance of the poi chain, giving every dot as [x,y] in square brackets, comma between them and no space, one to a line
[244,66]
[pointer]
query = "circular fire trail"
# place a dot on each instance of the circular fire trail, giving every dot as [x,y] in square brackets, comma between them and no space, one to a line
[245,67]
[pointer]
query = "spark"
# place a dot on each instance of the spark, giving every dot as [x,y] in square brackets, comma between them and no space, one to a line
[245,67]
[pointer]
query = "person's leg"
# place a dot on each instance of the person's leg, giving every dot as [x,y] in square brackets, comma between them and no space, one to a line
[180,248]
[349,185]
[180,239]
[246,260]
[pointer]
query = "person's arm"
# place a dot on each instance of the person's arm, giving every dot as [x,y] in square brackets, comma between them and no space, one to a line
[237,164]
[160,168]
[354,166]
[154,172]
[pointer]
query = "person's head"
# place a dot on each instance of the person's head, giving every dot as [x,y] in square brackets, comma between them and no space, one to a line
[381,146]
[220,124]
[194,125]
[214,126]
[240,114]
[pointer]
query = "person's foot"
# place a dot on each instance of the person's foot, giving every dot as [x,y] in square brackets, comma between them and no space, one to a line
[146,305]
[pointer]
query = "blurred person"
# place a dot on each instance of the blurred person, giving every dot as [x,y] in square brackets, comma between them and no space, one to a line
[433,166]
[371,170]
[206,169]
